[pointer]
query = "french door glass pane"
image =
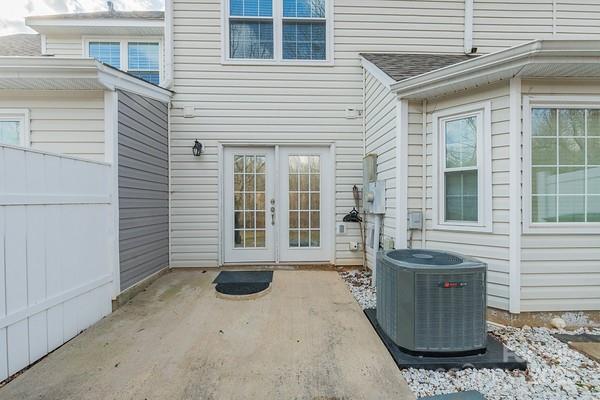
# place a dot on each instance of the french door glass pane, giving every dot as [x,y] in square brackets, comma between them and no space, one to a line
[593,123]
[304,201]
[461,196]
[543,180]
[249,201]
[251,39]
[461,143]
[10,132]
[571,180]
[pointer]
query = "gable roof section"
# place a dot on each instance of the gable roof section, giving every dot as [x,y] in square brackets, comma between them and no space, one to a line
[22,45]
[401,66]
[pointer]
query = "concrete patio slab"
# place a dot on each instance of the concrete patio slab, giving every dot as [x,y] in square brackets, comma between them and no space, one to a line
[306,339]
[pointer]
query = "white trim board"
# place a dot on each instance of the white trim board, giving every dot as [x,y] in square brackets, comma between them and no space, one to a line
[515,188]
[401,239]
[377,73]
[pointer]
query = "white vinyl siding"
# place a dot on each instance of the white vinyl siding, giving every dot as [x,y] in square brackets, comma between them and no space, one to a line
[64,46]
[559,272]
[380,139]
[281,103]
[69,123]
[499,24]
[490,247]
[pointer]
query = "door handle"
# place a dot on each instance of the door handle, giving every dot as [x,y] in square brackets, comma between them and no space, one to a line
[272,215]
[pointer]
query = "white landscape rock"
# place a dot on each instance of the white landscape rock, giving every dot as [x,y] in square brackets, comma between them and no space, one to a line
[555,372]
[558,323]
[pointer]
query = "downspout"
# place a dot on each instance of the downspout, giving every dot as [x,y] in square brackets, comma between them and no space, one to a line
[424,176]
[468,36]
[169,56]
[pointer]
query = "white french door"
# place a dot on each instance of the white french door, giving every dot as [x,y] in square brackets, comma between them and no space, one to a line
[277,204]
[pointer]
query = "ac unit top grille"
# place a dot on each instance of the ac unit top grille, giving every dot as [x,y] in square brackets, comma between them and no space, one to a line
[425,257]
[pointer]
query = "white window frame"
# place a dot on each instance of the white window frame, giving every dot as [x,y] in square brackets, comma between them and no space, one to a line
[21,115]
[124,48]
[278,37]
[484,167]
[530,102]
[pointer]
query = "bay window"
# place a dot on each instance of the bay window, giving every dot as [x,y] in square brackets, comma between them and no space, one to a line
[277,30]
[565,165]
[463,168]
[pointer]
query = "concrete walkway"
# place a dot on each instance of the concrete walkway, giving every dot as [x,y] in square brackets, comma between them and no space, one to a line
[306,339]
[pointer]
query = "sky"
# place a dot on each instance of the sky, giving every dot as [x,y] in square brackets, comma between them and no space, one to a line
[13,12]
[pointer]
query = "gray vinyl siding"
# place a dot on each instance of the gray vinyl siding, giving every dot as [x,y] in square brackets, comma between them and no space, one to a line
[143,187]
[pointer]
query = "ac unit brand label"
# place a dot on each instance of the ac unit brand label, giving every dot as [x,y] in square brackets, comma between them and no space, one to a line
[452,285]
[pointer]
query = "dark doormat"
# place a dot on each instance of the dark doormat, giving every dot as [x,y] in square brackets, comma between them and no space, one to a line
[241,289]
[244,277]
[496,356]
[470,395]
[584,337]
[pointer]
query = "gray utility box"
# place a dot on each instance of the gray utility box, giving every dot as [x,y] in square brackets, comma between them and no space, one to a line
[432,301]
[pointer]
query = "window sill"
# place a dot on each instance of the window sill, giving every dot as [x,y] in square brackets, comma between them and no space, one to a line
[295,63]
[463,228]
[577,228]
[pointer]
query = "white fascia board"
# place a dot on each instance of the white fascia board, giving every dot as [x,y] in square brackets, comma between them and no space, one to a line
[79,68]
[505,64]
[34,23]
[381,76]
[114,79]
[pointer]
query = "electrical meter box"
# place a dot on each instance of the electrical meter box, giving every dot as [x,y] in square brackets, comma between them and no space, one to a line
[373,190]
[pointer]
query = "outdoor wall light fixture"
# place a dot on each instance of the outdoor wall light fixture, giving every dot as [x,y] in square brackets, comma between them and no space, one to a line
[197,149]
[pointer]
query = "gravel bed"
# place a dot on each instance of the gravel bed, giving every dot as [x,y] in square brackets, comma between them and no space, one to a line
[555,371]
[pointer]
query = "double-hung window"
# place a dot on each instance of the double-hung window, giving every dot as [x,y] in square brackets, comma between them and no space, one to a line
[463,178]
[143,61]
[138,58]
[106,52]
[564,150]
[277,30]
[14,127]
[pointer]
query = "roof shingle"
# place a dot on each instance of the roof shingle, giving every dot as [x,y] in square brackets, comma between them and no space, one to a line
[401,66]
[21,44]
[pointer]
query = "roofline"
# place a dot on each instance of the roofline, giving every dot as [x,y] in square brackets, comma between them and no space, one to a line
[43,21]
[537,51]
[377,72]
[82,68]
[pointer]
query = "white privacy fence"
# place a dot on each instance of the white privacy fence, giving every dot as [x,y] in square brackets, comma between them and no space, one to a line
[55,246]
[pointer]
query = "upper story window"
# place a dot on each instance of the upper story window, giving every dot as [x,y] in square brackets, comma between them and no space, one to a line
[106,52]
[277,30]
[463,172]
[143,61]
[565,165]
[14,127]
[139,58]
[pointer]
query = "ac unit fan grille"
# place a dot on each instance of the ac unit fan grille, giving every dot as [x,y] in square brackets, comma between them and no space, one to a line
[449,311]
